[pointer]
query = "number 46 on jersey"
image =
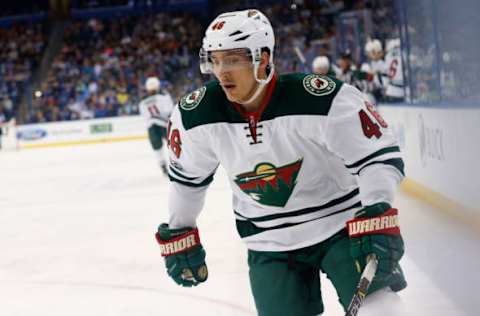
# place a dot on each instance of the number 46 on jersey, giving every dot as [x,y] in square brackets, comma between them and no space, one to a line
[369,127]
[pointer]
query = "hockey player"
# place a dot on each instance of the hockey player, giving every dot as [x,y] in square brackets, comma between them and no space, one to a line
[156,109]
[378,68]
[395,91]
[313,169]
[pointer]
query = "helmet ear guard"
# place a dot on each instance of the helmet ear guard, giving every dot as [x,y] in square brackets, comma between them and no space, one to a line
[256,65]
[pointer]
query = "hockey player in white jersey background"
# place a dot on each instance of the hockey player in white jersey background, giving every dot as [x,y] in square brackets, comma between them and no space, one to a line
[395,90]
[157,108]
[387,85]
[307,157]
[376,65]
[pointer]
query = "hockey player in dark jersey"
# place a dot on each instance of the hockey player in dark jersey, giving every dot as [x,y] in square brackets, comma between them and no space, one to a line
[313,170]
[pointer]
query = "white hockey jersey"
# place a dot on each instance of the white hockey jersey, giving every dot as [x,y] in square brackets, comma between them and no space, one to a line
[393,61]
[376,87]
[293,165]
[156,109]
[380,70]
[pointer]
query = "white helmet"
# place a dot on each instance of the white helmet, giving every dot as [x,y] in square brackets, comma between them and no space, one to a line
[152,84]
[320,63]
[374,50]
[248,29]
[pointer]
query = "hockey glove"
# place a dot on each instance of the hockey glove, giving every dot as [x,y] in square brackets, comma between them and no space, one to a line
[375,229]
[184,254]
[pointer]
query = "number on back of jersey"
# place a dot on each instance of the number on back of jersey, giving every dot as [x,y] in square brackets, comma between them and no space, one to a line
[153,110]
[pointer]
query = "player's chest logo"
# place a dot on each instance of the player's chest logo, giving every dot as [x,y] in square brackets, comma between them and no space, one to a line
[268,184]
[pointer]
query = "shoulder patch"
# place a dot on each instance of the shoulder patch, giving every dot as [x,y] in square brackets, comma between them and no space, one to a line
[192,100]
[318,85]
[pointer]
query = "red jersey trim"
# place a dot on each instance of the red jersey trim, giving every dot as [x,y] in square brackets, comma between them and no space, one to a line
[256,114]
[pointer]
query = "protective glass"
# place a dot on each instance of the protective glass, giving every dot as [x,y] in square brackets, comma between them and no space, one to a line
[227,60]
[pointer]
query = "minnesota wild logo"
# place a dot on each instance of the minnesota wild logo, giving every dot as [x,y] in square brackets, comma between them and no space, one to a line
[268,184]
[191,100]
[318,85]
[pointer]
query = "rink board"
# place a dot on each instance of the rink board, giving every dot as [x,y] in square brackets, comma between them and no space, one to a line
[81,132]
[440,147]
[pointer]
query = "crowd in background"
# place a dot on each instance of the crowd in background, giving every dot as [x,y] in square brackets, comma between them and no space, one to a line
[21,49]
[102,65]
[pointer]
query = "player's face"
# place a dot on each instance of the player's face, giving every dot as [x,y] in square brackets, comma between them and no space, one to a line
[234,71]
[375,55]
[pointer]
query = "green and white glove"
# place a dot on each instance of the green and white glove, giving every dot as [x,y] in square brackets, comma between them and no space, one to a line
[375,230]
[184,254]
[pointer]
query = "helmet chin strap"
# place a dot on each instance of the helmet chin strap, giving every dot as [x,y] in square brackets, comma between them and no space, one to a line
[259,89]
[262,83]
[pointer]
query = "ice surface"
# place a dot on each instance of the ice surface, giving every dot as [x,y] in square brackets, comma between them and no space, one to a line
[77,238]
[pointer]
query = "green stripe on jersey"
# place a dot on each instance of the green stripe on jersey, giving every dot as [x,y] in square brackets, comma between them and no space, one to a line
[247,228]
[395,162]
[205,182]
[302,211]
[380,152]
[179,175]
